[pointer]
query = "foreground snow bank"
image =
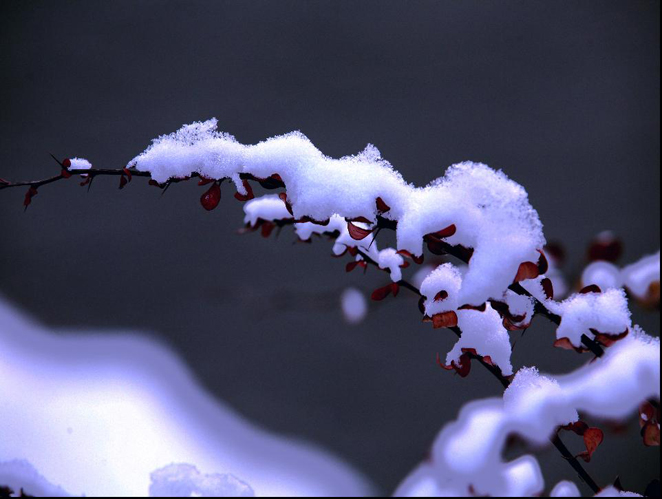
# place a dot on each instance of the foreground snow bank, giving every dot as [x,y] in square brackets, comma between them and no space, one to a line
[99,414]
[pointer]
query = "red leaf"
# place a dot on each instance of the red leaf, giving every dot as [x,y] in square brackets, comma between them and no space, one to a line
[382,207]
[593,437]
[66,163]
[605,247]
[548,288]
[480,308]
[380,293]
[447,232]
[351,266]
[543,264]
[417,259]
[32,192]
[651,434]
[362,220]
[87,181]
[249,192]
[566,344]
[356,232]
[608,340]
[267,228]
[441,295]
[395,288]
[65,173]
[593,288]
[283,196]
[527,270]
[444,319]
[127,172]
[211,198]
[123,182]
[405,265]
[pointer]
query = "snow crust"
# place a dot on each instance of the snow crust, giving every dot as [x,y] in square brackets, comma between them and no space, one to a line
[565,488]
[492,213]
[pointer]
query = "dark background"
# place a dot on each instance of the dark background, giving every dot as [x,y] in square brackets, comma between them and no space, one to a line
[563,96]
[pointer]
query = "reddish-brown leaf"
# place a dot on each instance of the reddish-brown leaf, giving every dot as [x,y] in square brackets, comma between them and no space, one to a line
[651,433]
[382,207]
[283,196]
[380,293]
[211,198]
[593,288]
[352,265]
[593,437]
[249,192]
[444,319]
[266,229]
[154,183]
[566,344]
[65,173]
[362,220]
[32,192]
[543,264]
[548,288]
[66,163]
[527,270]
[123,182]
[416,259]
[605,247]
[441,295]
[357,232]
[127,172]
[607,339]
[447,232]
[395,289]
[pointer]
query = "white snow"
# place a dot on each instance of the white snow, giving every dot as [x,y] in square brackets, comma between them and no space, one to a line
[605,312]
[96,414]
[468,452]
[20,474]
[184,480]
[612,491]
[354,305]
[484,332]
[565,488]
[445,279]
[492,214]
[637,277]
[269,208]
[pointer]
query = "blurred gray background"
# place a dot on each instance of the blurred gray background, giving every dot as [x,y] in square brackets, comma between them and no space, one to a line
[563,96]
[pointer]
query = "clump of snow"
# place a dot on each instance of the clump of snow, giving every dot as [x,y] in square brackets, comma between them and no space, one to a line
[269,207]
[565,488]
[483,332]
[492,214]
[519,305]
[184,480]
[447,280]
[79,164]
[612,491]
[606,313]
[468,452]
[603,274]
[639,276]
[354,305]
[20,475]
